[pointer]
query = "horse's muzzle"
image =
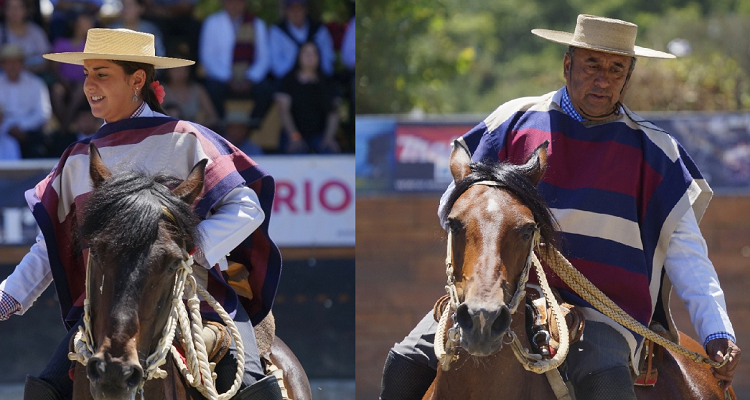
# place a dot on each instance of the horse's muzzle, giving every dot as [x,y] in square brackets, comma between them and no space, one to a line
[113,379]
[482,330]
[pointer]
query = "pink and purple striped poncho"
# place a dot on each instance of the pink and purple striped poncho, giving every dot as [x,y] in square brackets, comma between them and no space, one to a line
[166,146]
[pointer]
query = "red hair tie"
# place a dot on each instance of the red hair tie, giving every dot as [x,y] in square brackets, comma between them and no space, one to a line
[158,90]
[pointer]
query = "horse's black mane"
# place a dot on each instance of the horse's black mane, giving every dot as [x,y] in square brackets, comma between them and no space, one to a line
[514,179]
[126,209]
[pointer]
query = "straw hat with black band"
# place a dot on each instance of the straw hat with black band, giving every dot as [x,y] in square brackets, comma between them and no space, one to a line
[602,34]
[119,45]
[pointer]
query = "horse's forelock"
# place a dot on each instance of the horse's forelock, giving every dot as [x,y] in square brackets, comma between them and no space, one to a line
[125,212]
[514,180]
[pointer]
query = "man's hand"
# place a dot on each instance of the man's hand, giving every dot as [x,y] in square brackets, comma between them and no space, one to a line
[716,350]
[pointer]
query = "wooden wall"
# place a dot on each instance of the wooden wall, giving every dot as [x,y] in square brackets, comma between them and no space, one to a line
[400,272]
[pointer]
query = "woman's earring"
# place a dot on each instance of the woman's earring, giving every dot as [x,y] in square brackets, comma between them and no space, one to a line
[135,95]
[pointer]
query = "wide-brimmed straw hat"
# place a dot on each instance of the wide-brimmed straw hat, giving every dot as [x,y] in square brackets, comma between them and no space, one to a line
[603,34]
[119,45]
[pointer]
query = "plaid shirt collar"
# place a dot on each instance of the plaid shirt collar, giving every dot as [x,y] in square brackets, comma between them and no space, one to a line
[139,110]
[567,106]
[143,111]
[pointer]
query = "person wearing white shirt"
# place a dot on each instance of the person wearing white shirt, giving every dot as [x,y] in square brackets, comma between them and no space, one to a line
[25,107]
[629,253]
[234,53]
[289,35]
[123,93]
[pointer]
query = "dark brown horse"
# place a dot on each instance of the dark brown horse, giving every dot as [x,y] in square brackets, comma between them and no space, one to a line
[493,216]
[138,232]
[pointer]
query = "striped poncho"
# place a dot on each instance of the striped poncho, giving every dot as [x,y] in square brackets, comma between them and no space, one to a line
[166,146]
[618,188]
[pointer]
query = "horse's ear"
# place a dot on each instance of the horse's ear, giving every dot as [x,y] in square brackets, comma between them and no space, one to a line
[460,160]
[191,188]
[97,170]
[537,163]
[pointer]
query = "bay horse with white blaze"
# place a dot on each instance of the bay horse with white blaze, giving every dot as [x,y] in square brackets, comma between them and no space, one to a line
[494,214]
[139,230]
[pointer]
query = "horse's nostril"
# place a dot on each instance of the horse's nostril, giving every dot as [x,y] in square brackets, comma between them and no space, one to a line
[502,322]
[132,375]
[95,368]
[463,318]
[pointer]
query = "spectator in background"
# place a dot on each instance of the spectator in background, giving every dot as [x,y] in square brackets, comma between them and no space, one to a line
[291,33]
[130,18]
[234,54]
[308,105]
[189,97]
[67,89]
[84,125]
[19,30]
[66,11]
[237,131]
[24,101]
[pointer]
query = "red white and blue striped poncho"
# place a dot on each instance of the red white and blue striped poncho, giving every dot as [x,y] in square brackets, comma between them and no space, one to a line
[156,145]
[618,188]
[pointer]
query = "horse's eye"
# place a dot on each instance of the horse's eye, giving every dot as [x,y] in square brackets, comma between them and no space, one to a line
[174,265]
[528,232]
[455,225]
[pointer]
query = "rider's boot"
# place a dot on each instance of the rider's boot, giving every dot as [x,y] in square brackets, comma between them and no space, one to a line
[264,389]
[37,389]
[611,384]
[404,378]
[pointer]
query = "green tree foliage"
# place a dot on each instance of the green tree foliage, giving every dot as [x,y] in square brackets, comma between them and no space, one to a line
[458,56]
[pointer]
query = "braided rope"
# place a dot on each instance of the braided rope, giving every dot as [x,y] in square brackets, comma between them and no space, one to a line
[533,362]
[83,346]
[191,327]
[573,278]
[444,349]
[159,356]
[446,352]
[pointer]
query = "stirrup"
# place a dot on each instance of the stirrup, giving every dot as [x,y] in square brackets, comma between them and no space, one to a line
[647,370]
[265,389]
[38,389]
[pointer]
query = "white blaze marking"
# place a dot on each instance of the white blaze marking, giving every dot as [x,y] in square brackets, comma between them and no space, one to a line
[493,206]
[481,321]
